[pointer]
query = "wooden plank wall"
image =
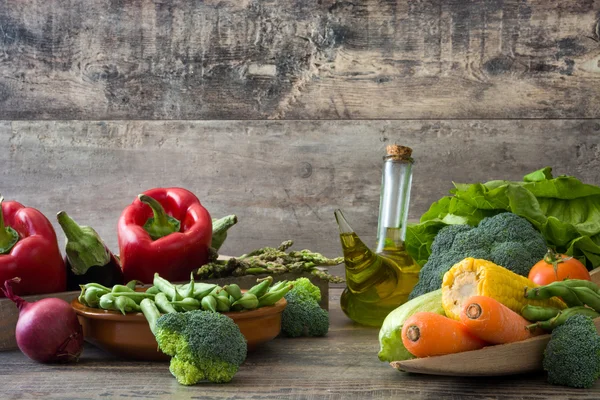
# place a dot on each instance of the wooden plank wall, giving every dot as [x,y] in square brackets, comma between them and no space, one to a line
[279,110]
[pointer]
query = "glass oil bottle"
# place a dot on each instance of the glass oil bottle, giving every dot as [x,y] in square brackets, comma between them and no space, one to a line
[381,280]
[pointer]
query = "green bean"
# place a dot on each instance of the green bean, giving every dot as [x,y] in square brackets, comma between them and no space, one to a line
[151,312]
[153,290]
[209,303]
[223,303]
[262,287]
[573,283]
[247,301]
[162,302]
[278,286]
[273,297]
[538,313]
[216,290]
[203,289]
[132,284]
[107,302]
[562,316]
[588,297]
[186,291]
[126,304]
[92,296]
[96,285]
[122,289]
[233,290]
[166,287]
[187,304]
[554,289]
[81,297]
[135,296]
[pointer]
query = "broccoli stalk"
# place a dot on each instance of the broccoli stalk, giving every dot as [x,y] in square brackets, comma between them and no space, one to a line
[303,316]
[504,239]
[572,356]
[203,345]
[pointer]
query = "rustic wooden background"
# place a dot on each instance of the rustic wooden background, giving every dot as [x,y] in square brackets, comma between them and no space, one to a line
[279,110]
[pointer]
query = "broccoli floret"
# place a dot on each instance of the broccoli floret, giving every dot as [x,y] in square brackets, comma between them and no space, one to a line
[170,340]
[509,226]
[572,356]
[465,243]
[504,239]
[203,345]
[303,316]
[443,243]
[305,289]
[517,256]
[186,373]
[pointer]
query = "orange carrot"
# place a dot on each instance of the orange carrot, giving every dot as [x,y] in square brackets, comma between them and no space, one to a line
[492,321]
[429,334]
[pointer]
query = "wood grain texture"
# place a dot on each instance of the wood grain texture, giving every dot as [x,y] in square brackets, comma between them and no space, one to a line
[282,178]
[315,59]
[342,365]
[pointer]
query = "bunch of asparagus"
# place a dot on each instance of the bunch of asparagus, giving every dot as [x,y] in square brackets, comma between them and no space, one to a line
[271,260]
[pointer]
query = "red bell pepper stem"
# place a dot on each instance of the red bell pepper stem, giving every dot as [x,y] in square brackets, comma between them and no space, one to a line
[173,256]
[8,236]
[161,224]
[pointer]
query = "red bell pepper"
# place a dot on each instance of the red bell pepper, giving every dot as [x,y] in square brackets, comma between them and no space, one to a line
[29,250]
[165,230]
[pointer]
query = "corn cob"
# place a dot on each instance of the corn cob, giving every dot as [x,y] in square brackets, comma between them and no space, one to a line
[476,277]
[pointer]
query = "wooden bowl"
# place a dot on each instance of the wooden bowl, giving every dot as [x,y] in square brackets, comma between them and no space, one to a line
[129,335]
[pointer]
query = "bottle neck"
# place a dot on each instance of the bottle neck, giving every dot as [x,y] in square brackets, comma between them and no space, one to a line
[393,205]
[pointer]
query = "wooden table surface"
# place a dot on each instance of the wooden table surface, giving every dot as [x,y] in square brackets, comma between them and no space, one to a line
[343,365]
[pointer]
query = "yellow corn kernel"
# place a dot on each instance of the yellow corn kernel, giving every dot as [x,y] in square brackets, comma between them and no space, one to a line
[476,277]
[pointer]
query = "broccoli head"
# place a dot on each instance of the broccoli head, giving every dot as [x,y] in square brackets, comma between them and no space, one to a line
[203,345]
[303,316]
[572,356]
[305,289]
[504,239]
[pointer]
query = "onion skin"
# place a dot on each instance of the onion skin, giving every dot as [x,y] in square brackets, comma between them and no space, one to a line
[47,330]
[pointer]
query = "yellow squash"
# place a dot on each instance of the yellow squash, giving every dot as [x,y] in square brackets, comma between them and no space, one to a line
[476,277]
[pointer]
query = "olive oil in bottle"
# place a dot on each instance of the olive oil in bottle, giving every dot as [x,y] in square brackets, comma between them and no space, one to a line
[379,281]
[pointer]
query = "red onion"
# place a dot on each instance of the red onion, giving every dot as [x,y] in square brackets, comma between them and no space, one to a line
[47,330]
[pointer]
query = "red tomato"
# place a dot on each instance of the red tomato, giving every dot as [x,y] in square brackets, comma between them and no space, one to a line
[557,267]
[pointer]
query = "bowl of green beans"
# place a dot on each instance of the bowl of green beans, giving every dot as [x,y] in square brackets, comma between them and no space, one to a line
[112,319]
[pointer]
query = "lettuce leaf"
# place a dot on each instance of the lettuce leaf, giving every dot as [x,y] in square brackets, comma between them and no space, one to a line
[565,210]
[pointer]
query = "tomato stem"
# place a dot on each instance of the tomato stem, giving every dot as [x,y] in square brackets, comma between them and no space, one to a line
[554,258]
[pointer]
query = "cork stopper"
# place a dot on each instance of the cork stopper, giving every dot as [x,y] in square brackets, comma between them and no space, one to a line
[398,152]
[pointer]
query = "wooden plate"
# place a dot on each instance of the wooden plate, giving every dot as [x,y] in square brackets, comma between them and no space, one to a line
[505,359]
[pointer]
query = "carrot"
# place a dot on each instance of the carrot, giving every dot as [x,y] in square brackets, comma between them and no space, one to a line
[429,334]
[492,321]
